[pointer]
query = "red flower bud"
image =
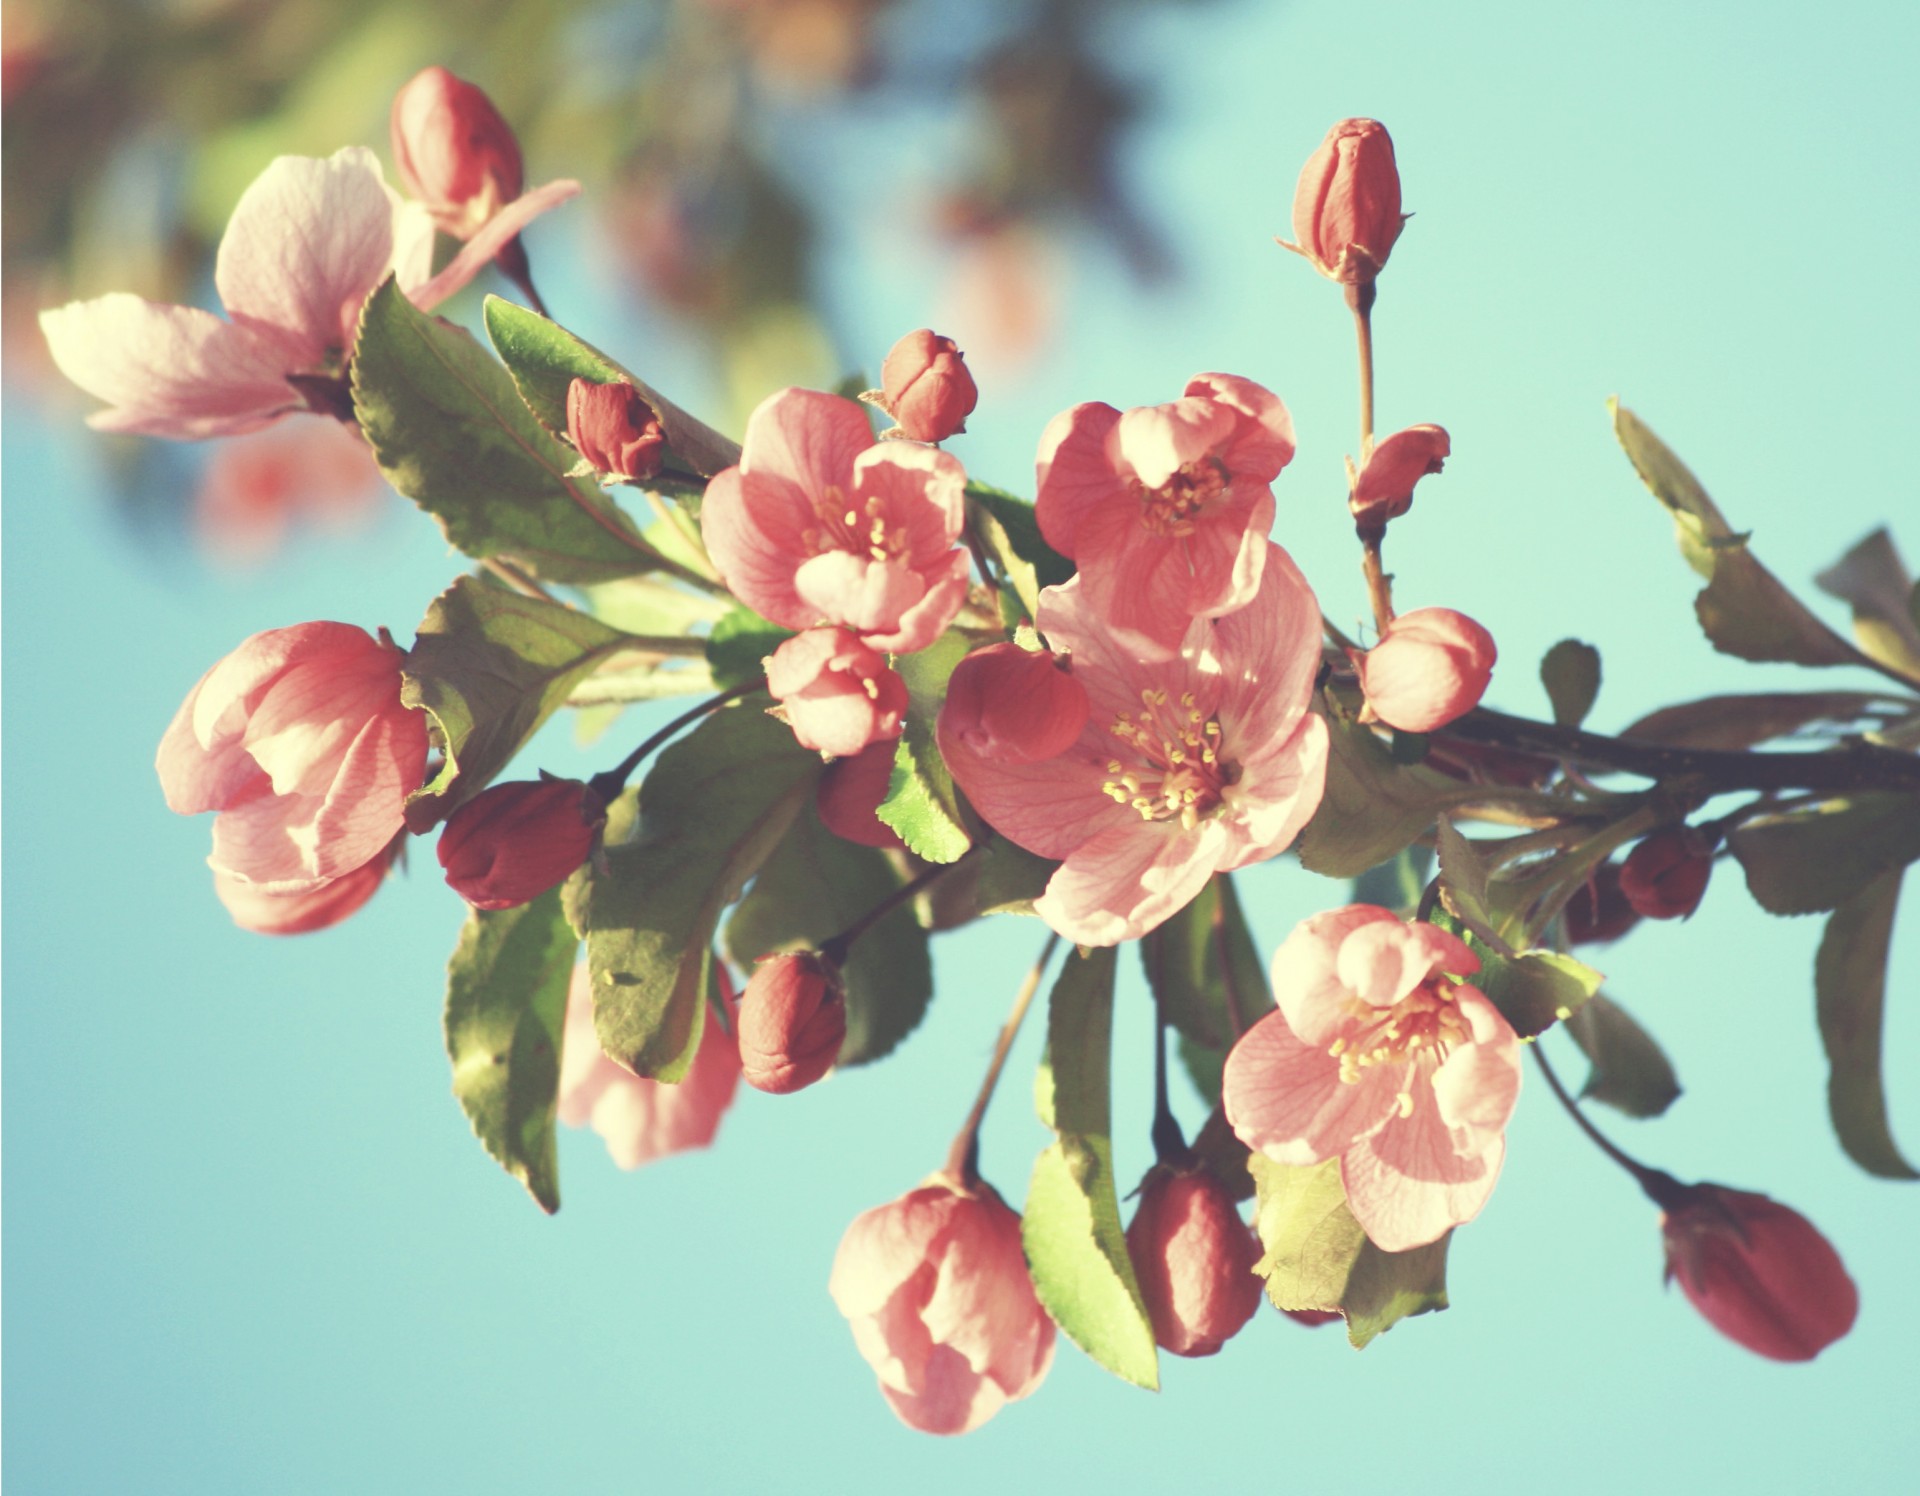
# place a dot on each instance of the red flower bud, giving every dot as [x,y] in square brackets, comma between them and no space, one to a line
[1384,489]
[837,693]
[792,1020]
[1430,666]
[454,151]
[926,388]
[1012,704]
[1759,1272]
[614,428]
[1666,875]
[513,842]
[1346,209]
[850,793]
[1194,1258]
[1599,911]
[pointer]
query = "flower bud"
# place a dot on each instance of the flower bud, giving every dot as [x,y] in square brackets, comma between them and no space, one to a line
[850,793]
[1599,911]
[793,1017]
[1430,666]
[1759,1272]
[1012,704]
[926,388]
[1665,876]
[1194,1258]
[1346,208]
[513,842]
[454,152]
[614,428]
[1384,489]
[837,693]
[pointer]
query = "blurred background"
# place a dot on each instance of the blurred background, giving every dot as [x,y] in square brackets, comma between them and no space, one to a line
[251,1245]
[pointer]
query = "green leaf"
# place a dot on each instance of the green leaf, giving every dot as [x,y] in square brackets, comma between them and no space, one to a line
[1571,673]
[1629,1071]
[652,604]
[922,803]
[1463,879]
[450,432]
[1819,858]
[1317,1257]
[1008,529]
[738,647]
[1003,879]
[1372,807]
[1204,971]
[1741,721]
[711,811]
[1071,1226]
[1533,989]
[1873,579]
[1850,986]
[506,1010]
[1397,883]
[814,886]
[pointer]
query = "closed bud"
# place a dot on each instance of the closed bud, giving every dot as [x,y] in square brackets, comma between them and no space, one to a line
[614,429]
[1194,1258]
[1346,208]
[1599,911]
[513,842]
[793,1017]
[926,388]
[1665,876]
[1430,666]
[850,793]
[836,692]
[1384,489]
[1759,1272]
[1012,704]
[455,154]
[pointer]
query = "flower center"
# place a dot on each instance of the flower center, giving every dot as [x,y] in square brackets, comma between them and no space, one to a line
[1425,1021]
[1174,507]
[1177,768]
[855,529]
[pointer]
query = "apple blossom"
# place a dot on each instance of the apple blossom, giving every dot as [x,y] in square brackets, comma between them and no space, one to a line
[615,430]
[512,842]
[1010,703]
[836,694]
[1194,1257]
[1665,876]
[1384,488]
[793,1017]
[1429,667]
[453,151]
[265,912]
[925,386]
[1346,206]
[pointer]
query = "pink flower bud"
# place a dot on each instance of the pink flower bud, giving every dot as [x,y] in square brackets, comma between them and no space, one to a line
[935,1287]
[1346,209]
[454,152]
[1430,666]
[1015,705]
[1759,1272]
[926,388]
[1665,876]
[1599,911]
[1194,1258]
[615,429]
[793,1017]
[850,793]
[254,908]
[1384,489]
[837,693]
[513,842]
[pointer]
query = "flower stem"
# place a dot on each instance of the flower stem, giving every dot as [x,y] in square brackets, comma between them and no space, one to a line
[835,949]
[963,1158]
[1360,297]
[1379,584]
[614,780]
[1169,1143]
[1662,1188]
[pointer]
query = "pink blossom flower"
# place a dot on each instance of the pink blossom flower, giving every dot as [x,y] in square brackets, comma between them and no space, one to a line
[299,739]
[793,1018]
[1166,508]
[307,243]
[1011,703]
[1384,488]
[1376,1058]
[642,1120]
[1430,666]
[453,151]
[850,793]
[819,524]
[265,912]
[1187,766]
[936,1290]
[1194,1258]
[836,694]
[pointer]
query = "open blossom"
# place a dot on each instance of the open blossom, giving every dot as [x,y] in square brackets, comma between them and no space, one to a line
[1429,667]
[307,243]
[935,1288]
[836,694]
[1166,508]
[1346,206]
[1187,766]
[1194,1258]
[1376,1058]
[453,150]
[299,739]
[304,910]
[820,524]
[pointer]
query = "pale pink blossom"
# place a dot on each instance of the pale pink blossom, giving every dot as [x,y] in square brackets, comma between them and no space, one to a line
[935,1288]
[1376,1057]
[307,243]
[1166,508]
[265,912]
[836,694]
[642,1120]
[299,739]
[1010,703]
[1187,766]
[1429,667]
[819,524]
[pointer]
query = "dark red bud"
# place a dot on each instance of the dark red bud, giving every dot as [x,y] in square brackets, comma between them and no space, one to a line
[925,386]
[513,842]
[792,1020]
[850,793]
[1598,910]
[1666,875]
[614,428]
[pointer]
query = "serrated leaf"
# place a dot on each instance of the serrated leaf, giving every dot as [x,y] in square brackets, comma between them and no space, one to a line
[711,811]
[812,887]
[1741,721]
[1203,969]
[1006,526]
[1463,877]
[450,431]
[738,647]
[1071,1226]
[923,804]
[1628,1069]
[1816,859]
[1317,1257]
[1873,580]
[1850,987]
[1571,673]
[1397,883]
[1372,807]
[506,1011]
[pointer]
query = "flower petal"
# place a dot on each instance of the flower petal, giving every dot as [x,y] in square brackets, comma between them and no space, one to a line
[1285,1098]
[478,252]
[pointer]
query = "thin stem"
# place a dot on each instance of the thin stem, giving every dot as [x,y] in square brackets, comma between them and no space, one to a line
[1229,982]
[512,262]
[1360,298]
[1661,1187]
[963,1158]
[515,578]
[1169,1143]
[614,780]
[835,949]
[1379,584]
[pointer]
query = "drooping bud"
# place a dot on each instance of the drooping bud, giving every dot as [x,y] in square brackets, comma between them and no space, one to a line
[614,428]
[1194,1258]
[793,1017]
[1430,666]
[1759,1272]
[1384,489]
[850,793]
[1015,705]
[513,842]
[1599,911]
[1665,876]
[454,152]
[925,387]
[1346,208]
[837,693]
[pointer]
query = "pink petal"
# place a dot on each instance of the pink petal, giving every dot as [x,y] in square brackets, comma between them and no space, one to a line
[1129,879]
[952,1398]
[1478,1085]
[1051,806]
[478,252]
[1306,976]
[866,595]
[1154,442]
[1277,793]
[922,492]
[1270,651]
[1264,443]
[1227,551]
[927,619]
[1400,1210]
[886,1246]
[1076,477]
[755,528]
[810,439]
[1285,1098]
